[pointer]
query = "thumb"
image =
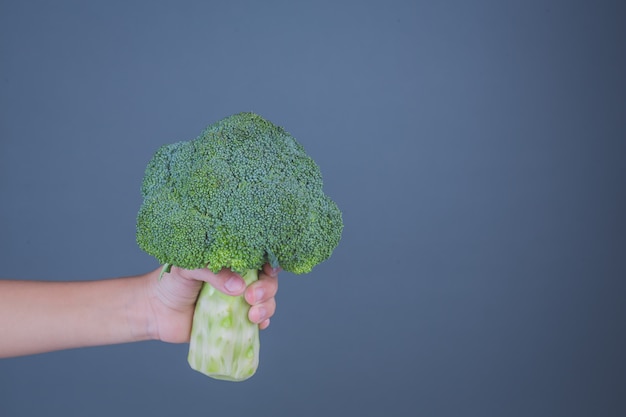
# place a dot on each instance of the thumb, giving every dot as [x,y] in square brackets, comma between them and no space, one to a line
[225,281]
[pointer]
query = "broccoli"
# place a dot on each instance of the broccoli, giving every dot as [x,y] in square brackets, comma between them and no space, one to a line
[242,194]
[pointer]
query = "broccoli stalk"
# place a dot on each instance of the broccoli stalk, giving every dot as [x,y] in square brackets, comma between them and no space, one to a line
[224,343]
[242,194]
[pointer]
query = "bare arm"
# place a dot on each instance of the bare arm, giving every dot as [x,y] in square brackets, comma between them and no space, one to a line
[38,316]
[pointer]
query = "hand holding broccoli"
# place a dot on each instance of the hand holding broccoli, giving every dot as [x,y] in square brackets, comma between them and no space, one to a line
[173,298]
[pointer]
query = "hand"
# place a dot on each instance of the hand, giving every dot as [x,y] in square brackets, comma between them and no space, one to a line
[172,299]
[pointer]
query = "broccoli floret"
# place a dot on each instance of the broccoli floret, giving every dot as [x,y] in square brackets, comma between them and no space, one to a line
[242,194]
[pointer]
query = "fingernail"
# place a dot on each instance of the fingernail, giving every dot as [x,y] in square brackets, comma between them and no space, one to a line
[258,294]
[233,284]
[261,314]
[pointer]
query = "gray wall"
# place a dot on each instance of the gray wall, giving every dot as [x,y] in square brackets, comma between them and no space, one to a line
[476,149]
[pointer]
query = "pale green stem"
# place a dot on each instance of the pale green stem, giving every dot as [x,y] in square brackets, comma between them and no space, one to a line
[224,342]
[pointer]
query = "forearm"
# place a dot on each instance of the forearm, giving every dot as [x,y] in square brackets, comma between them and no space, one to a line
[37,317]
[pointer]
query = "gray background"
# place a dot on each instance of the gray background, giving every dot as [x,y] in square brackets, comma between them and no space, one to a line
[476,149]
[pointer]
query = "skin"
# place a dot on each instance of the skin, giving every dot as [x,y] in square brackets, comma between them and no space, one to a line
[38,317]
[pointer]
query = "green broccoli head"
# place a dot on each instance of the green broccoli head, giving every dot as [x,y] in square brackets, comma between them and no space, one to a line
[241,194]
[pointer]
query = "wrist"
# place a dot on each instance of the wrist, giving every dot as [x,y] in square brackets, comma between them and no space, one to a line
[140,313]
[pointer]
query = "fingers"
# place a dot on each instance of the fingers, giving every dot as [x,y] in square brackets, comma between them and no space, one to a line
[265,288]
[261,296]
[264,324]
[260,313]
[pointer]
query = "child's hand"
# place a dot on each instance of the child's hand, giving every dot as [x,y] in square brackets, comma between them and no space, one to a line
[172,299]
